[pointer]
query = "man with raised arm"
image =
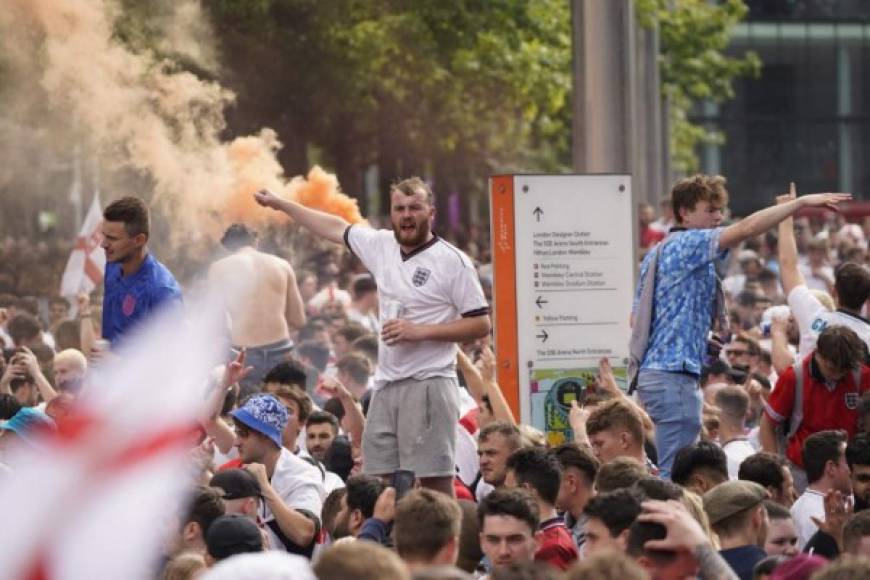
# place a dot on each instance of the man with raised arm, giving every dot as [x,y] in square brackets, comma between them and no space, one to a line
[673,318]
[851,291]
[430,299]
[261,320]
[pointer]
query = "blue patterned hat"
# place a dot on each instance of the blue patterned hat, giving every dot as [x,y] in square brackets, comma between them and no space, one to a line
[264,414]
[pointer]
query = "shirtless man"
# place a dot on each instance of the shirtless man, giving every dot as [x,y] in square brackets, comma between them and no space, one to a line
[260,324]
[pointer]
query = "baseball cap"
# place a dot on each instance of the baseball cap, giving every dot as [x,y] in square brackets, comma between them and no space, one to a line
[236,483]
[28,422]
[232,534]
[731,497]
[264,414]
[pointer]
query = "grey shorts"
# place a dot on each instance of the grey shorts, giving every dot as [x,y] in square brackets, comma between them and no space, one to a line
[411,424]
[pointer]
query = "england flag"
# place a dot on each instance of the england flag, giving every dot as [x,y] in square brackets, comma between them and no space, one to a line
[87,262]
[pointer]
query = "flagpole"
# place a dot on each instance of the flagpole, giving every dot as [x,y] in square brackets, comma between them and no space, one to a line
[75,193]
[96,171]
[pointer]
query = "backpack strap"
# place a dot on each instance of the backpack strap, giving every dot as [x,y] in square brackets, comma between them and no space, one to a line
[644,315]
[315,463]
[797,409]
[291,546]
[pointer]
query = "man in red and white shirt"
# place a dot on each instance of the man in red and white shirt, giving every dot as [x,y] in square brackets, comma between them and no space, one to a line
[829,396]
[540,473]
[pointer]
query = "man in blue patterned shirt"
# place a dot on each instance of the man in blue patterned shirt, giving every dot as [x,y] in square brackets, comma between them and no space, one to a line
[684,300]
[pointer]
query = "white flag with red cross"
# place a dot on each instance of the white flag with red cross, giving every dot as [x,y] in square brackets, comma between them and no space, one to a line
[99,496]
[87,262]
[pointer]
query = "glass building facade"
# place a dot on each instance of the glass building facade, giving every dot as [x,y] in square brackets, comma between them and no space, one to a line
[806,118]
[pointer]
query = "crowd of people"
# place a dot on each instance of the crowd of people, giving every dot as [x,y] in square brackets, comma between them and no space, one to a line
[360,430]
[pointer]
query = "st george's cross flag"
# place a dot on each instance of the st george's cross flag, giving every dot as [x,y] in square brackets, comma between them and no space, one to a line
[87,262]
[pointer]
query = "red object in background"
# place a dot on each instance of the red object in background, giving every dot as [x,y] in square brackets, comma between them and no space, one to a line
[853,211]
[231,464]
[462,492]
[649,237]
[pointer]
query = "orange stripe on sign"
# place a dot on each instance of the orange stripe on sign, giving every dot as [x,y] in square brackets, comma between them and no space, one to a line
[504,264]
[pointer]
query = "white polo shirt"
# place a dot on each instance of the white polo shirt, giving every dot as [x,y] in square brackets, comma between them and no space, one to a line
[810,504]
[736,451]
[436,283]
[812,318]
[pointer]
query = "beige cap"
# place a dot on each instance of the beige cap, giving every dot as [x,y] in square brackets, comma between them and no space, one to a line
[731,497]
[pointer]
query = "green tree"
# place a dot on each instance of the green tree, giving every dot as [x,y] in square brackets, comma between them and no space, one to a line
[693,37]
[452,89]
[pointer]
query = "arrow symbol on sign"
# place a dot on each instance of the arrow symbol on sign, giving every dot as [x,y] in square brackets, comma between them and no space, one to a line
[538,212]
[543,336]
[540,301]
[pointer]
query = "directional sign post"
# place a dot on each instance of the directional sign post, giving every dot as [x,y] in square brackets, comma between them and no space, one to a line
[563,258]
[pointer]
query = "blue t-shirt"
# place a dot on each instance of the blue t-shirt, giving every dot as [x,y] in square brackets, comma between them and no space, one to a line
[130,300]
[743,560]
[684,300]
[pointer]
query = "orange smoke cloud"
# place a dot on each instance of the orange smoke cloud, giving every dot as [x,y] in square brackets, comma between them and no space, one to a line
[255,167]
[321,191]
[146,117]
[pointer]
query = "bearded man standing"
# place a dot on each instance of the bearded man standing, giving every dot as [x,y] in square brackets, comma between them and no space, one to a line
[430,298]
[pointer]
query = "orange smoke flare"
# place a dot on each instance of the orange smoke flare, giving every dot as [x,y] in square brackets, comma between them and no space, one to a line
[148,118]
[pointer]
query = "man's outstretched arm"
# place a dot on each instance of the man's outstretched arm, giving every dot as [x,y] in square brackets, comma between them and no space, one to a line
[325,225]
[788,254]
[762,220]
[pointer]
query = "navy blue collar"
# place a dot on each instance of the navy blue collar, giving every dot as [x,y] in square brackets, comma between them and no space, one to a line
[421,248]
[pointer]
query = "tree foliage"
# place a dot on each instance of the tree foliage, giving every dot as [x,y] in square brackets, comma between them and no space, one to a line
[454,90]
[693,66]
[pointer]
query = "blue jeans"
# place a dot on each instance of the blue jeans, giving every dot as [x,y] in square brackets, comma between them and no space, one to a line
[673,402]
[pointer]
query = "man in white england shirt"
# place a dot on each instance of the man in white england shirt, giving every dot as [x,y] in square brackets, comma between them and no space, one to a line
[851,291]
[430,299]
[733,403]
[824,456]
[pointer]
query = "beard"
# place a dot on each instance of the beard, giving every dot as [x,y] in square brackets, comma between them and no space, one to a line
[409,238]
[341,528]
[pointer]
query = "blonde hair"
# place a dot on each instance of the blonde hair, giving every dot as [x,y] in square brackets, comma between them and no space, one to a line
[606,566]
[361,560]
[825,298]
[531,437]
[72,355]
[695,505]
[184,566]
